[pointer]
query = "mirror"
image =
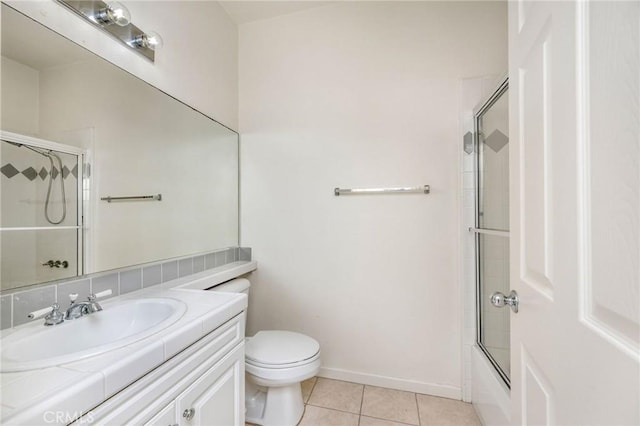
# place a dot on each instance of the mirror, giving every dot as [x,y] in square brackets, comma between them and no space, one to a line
[76,129]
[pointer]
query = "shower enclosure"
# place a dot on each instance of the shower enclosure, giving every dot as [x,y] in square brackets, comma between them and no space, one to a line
[491,122]
[41,232]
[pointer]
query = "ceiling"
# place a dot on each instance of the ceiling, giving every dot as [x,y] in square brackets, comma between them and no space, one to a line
[242,11]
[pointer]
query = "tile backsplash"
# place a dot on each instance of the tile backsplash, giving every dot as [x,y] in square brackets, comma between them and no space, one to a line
[15,306]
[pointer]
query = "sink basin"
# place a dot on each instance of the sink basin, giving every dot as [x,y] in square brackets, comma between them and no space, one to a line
[117,325]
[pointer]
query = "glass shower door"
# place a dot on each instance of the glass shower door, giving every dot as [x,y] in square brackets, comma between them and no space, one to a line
[40,211]
[492,228]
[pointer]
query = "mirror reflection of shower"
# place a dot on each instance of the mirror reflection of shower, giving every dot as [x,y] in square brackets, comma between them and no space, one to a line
[42,184]
[50,155]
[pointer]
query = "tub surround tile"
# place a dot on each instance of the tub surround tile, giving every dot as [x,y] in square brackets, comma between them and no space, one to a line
[185,267]
[389,404]
[244,253]
[210,261]
[16,305]
[198,264]
[31,300]
[221,258]
[446,412]
[232,255]
[337,395]
[5,312]
[169,271]
[130,281]
[151,275]
[318,416]
[106,282]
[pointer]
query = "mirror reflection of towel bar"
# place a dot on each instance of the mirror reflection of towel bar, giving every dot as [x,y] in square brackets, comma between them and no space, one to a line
[157,197]
[424,189]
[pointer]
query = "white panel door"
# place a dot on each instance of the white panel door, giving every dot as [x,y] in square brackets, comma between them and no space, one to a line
[575,211]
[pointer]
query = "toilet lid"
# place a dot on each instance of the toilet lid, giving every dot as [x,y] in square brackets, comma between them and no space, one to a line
[274,347]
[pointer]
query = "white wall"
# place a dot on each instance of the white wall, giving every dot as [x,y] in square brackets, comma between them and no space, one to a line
[19,97]
[356,95]
[198,63]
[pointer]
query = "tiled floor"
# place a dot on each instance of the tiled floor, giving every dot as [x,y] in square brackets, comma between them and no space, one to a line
[336,403]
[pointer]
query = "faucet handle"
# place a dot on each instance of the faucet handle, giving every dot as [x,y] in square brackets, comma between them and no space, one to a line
[101,294]
[40,312]
[73,297]
[55,316]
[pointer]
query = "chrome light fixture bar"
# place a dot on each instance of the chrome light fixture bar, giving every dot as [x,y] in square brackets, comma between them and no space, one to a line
[114,18]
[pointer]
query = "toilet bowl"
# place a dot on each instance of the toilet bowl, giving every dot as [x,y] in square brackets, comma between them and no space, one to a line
[276,361]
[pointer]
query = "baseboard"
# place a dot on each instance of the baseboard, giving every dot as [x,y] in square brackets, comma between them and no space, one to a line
[435,389]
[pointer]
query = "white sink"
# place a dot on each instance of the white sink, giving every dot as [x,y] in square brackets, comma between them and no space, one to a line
[117,325]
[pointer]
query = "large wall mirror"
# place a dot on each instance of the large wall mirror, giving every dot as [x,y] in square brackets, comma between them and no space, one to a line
[76,129]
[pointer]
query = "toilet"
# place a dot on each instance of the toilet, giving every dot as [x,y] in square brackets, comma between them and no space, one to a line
[276,362]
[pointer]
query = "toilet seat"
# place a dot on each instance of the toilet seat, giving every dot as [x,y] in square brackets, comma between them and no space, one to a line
[280,349]
[283,376]
[287,365]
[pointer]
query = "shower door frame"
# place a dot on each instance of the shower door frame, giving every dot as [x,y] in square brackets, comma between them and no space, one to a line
[500,90]
[82,191]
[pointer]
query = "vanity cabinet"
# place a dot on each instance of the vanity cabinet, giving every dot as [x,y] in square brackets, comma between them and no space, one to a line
[202,385]
[166,417]
[211,400]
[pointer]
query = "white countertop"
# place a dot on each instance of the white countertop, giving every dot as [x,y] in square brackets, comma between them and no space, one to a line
[79,386]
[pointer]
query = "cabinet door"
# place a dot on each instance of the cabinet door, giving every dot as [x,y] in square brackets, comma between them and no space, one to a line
[217,397]
[166,417]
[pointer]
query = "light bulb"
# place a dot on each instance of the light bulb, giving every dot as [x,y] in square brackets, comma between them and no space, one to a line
[154,41]
[150,40]
[114,13]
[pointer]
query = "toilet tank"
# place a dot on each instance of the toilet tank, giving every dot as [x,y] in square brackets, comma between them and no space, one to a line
[238,285]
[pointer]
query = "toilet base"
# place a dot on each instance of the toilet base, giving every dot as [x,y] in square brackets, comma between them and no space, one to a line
[274,405]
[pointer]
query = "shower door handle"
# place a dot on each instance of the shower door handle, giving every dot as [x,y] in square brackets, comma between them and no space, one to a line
[499,300]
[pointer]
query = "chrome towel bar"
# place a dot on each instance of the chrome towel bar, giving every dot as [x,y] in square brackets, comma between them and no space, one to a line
[486,231]
[156,197]
[424,189]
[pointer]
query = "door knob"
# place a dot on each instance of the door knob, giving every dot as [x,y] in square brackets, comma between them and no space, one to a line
[499,300]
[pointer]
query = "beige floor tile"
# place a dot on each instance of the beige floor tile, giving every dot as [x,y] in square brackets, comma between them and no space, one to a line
[389,404]
[318,416]
[446,412]
[370,421]
[343,396]
[307,387]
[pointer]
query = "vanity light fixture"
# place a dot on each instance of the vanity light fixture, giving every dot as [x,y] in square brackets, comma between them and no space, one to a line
[115,19]
[114,13]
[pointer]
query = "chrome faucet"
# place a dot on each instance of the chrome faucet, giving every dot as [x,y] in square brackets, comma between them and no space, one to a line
[53,315]
[77,310]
